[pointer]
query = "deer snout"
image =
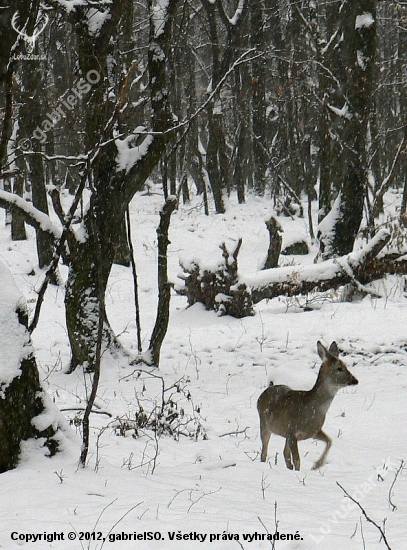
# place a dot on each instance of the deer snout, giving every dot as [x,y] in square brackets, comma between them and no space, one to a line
[353,381]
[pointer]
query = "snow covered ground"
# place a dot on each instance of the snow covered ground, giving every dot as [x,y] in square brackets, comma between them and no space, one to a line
[214,491]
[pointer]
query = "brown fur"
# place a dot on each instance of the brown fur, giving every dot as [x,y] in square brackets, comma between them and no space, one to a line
[298,415]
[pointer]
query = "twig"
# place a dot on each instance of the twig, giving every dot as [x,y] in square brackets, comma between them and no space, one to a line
[237,432]
[83,409]
[117,522]
[362,534]
[400,468]
[135,281]
[203,495]
[366,516]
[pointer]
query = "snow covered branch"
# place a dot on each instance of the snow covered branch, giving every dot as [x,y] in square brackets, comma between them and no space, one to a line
[31,215]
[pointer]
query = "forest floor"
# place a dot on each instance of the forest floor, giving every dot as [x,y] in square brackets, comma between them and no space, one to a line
[209,486]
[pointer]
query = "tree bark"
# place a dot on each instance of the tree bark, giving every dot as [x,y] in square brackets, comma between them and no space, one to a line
[275,241]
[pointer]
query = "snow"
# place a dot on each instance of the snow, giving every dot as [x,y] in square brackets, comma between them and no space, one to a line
[292,237]
[365,20]
[238,13]
[215,486]
[127,155]
[361,59]
[14,341]
[343,112]
[41,218]
[159,16]
[96,20]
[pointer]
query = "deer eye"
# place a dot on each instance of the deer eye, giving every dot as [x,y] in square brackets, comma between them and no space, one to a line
[339,369]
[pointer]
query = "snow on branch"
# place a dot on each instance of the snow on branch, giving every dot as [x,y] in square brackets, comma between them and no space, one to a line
[129,155]
[13,335]
[70,5]
[32,216]
[364,20]
[159,16]
[238,13]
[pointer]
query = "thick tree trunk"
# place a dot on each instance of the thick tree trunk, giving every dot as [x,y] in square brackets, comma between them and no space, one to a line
[18,232]
[338,233]
[32,115]
[22,399]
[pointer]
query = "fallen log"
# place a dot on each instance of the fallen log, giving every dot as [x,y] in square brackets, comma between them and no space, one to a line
[235,295]
[359,268]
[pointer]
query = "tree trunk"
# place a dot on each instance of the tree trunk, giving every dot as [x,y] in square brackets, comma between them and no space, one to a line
[338,231]
[258,81]
[275,241]
[22,399]
[32,114]
[112,188]
[18,232]
[224,292]
[164,287]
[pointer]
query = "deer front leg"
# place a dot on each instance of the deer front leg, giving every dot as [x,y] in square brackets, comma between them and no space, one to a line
[265,434]
[321,436]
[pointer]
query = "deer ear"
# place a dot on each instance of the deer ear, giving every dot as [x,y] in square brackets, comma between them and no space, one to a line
[333,348]
[322,351]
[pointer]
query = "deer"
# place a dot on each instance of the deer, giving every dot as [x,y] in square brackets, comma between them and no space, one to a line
[297,415]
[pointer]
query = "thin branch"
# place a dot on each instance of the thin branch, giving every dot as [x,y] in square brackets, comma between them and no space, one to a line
[400,468]
[366,516]
[135,281]
[83,409]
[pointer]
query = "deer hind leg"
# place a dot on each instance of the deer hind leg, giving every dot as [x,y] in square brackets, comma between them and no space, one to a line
[265,434]
[287,455]
[291,448]
[321,436]
[291,454]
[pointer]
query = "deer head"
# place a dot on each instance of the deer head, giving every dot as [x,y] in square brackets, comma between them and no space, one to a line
[40,25]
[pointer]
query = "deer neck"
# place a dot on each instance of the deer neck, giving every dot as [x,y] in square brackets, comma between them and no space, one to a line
[323,390]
